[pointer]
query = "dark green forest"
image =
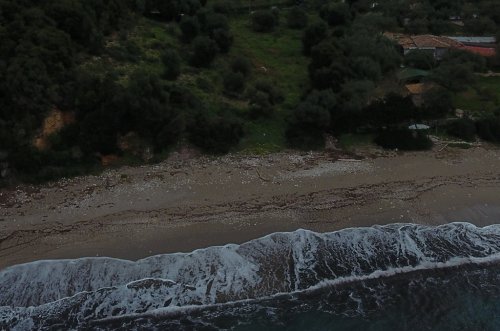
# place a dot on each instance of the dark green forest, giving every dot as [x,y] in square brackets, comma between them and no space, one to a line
[202,87]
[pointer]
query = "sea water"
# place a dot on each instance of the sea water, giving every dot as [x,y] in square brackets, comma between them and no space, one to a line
[394,277]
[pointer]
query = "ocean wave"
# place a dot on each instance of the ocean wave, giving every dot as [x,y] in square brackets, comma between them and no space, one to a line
[90,289]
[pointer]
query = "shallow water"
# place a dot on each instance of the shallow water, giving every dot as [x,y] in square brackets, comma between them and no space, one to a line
[395,277]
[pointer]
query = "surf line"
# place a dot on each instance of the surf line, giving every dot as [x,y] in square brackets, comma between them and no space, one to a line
[172,312]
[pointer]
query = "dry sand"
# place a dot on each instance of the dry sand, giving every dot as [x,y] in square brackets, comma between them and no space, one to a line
[185,204]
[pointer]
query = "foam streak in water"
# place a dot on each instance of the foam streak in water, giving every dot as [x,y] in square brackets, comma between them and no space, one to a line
[78,291]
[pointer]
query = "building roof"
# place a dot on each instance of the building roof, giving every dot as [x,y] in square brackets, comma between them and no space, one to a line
[475,40]
[428,40]
[423,41]
[411,73]
[418,88]
[483,51]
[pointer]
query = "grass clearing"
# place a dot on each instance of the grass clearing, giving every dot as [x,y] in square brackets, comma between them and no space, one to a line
[483,98]
[275,56]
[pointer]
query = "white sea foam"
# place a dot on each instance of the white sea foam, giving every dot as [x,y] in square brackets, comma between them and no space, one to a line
[90,289]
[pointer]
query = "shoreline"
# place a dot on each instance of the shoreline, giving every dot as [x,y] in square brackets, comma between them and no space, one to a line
[185,204]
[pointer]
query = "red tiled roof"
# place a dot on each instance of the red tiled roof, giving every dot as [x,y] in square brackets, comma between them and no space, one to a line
[423,41]
[483,51]
[428,40]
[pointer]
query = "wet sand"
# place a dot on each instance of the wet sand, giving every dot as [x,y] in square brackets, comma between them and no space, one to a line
[184,204]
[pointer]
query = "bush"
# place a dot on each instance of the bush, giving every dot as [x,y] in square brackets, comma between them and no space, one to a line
[366,68]
[260,106]
[459,57]
[453,76]
[403,139]
[438,103]
[336,14]
[313,35]
[215,135]
[242,65]
[263,96]
[263,21]
[297,18]
[234,83]
[222,7]
[392,110]
[172,62]
[204,52]
[224,39]
[464,129]
[308,125]
[190,28]
[420,59]
[480,26]
[215,22]
[489,129]
[274,93]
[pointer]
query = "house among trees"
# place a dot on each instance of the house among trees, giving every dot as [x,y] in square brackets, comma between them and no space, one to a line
[440,45]
[437,45]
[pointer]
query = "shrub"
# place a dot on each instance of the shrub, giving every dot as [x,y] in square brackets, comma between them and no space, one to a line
[453,76]
[392,110]
[224,39]
[308,125]
[215,22]
[480,26]
[222,7]
[215,135]
[172,63]
[464,129]
[204,52]
[438,102]
[460,57]
[403,139]
[366,68]
[190,28]
[336,14]
[420,59]
[297,18]
[234,83]
[242,65]
[313,35]
[489,129]
[263,96]
[263,21]
[274,93]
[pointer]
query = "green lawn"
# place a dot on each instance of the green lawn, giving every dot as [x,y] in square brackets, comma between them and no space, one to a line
[482,98]
[278,57]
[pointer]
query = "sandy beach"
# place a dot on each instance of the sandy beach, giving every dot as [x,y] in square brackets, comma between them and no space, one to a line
[187,203]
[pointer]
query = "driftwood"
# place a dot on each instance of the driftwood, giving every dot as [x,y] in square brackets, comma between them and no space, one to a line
[349,160]
[261,177]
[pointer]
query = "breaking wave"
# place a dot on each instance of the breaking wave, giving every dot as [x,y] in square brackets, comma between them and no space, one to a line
[106,291]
